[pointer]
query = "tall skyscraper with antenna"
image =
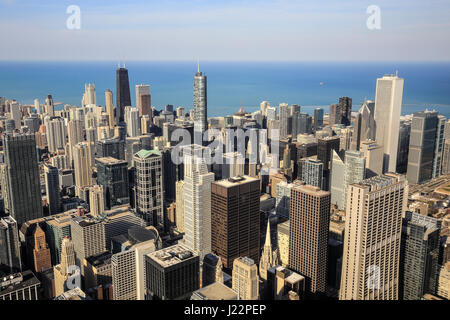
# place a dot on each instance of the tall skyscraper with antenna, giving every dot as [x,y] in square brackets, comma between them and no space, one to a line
[200,104]
[123,97]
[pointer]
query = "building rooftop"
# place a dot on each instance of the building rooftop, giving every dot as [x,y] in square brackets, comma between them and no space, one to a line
[234,181]
[172,255]
[99,259]
[17,281]
[147,153]
[215,291]
[109,160]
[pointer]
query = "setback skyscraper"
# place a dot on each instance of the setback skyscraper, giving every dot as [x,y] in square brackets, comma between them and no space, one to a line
[200,106]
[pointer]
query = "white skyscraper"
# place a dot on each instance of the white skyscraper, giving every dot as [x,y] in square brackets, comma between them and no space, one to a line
[373,228]
[16,114]
[388,106]
[89,97]
[133,122]
[197,201]
[37,106]
[56,133]
[141,89]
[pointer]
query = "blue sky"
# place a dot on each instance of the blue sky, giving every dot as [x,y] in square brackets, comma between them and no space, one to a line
[282,30]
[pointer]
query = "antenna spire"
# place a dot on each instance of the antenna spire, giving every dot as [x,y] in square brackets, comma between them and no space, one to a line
[198,64]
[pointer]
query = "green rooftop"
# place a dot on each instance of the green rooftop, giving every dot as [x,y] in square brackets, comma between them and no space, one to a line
[147,153]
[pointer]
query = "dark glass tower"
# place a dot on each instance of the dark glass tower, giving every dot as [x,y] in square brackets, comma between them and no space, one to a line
[345,104]
[22,177]
[9,246]
[200,105]
[123,98]
[112,174]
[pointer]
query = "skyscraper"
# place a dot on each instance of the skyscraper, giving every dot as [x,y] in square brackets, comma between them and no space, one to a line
[123,98]
[421,251]
[311,171]
[82,159]
[245,278]
[41,253]
[112,175]
[345,104]
[10,258]
[22,177]
[197,201]
[388,106]
[345,171]
[96,201]
[318,119]
[439,145]
[200,106]
[422,146]
[235,219]
[373,225]
[284,113]
[143,100]
[61,271]
[149,187]
[52,190]
[308,235]
[109,107]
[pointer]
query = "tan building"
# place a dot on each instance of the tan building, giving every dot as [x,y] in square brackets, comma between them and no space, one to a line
[443,289]
[373,225]
[374,157]
[82,160]
[308,235]
[96,200]
[41,253]
[245,279]
[283,243]
[61,270]
[180,206]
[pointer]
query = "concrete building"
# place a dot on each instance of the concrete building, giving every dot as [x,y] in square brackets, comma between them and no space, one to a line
[388,106]
[245,279]
[370,268]
[172,273]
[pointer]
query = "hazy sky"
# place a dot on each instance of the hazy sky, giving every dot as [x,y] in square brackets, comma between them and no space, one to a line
[225,30]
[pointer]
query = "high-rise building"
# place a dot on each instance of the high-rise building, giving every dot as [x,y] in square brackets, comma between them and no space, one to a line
[283,196]
[311,171]
[308,235]
[235,219]
[63,270]
[41,253]
[197,201]
[284,113]
[112,175]
[89,96]
[283,242]
[75,135]
[200,106]
[373,226]
[123,97]
[335,114]
[129,267]
[149,187]
[180,206]
[345,170]
[52,190]
[22,177]
[345,104]
[96,200]
[388,106]
[114,147]
[88,236]
[83,161]
[422,146]
[373,153]
[143,99]
[49,107]
[109,107]
[304,124]
[439,145]
[133,121]
[318,119]
[172,273]
[324,154]
[245,279]
[421,252]
[404,136]
[10,258]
